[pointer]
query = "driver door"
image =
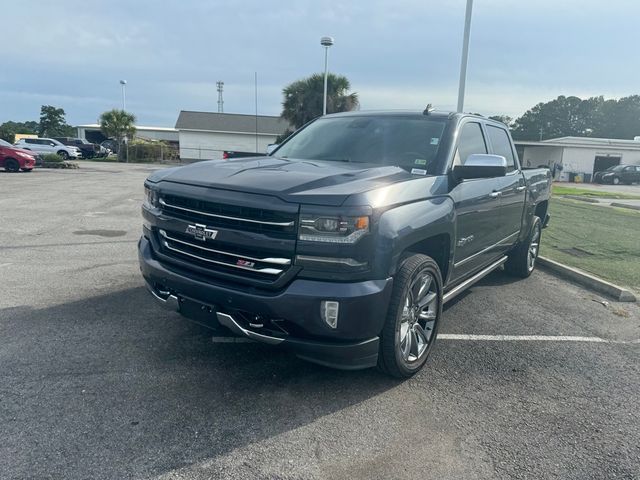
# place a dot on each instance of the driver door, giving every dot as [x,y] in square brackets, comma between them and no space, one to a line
[477,203]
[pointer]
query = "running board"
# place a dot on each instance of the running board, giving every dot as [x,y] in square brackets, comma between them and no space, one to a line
[467,283]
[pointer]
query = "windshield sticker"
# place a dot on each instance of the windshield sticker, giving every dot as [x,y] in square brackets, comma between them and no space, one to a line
[435,140]
[420,161]
[418,171]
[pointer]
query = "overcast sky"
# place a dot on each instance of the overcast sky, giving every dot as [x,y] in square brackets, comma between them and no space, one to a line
[396,53]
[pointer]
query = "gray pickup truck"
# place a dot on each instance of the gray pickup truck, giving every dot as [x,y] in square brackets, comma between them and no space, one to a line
[344,243]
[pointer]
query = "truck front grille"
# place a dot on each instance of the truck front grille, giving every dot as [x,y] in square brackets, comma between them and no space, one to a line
[258,220]
[265,260]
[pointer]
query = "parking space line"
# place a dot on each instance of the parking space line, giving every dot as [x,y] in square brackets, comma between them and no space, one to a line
[529,338]
[480,338]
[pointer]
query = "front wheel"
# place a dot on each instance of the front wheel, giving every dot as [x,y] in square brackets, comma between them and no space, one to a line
[11,165]
[411,325]
[616,181]
[63,154]
[522,259]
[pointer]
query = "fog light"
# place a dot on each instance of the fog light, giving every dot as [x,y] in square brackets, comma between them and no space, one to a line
[329,312]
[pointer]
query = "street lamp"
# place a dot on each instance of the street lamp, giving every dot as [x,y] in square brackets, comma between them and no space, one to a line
[326,42]
[124,97]
[465,55]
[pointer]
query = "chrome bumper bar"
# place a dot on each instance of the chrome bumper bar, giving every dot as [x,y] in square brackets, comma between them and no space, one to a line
[171,302]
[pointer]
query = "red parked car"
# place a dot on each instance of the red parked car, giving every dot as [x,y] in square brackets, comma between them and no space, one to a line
[14,159]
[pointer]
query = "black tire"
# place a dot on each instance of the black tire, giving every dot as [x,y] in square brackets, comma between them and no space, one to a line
[395,357]
[11,165]
[522,259]
[615,181]
[27,169]
[63,154]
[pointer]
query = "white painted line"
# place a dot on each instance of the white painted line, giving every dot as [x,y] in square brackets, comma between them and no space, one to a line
[231,340]
[528,338]
[479,338]
[5,264]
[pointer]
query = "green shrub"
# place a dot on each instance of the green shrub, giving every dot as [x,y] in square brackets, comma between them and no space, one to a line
[52,158]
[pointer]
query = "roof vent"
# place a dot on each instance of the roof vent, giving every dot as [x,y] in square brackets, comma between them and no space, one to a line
[428,109]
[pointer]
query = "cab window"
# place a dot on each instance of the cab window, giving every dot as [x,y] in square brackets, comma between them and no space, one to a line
[501,145]
[470,141]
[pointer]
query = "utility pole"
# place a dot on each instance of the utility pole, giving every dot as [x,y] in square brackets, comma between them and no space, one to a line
[220,88]
[465,55]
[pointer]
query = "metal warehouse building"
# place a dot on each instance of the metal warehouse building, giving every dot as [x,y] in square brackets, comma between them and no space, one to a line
[580,157]
[206,135]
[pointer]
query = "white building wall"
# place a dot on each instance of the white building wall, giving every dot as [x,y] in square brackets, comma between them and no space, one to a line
[210,145]
[535,156]
[581,160]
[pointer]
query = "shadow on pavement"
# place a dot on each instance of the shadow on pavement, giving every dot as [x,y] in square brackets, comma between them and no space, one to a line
[113,387]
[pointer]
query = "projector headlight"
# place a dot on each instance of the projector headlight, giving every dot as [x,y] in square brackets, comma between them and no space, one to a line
[332,229]
[150,197]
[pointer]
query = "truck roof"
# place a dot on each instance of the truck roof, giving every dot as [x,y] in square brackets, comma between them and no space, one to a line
[408,113]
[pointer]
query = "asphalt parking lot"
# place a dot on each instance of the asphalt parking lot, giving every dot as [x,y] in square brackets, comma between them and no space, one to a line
[96,381]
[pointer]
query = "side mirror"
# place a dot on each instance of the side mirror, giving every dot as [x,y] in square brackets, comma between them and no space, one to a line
[481,165]
[271,147]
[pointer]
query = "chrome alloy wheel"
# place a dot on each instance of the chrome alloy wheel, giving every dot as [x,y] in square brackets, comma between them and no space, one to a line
[419,315]
[534,246]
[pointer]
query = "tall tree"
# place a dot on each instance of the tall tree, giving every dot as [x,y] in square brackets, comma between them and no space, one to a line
[303,98]
[506,119]
[118,124]
[8,130]
[53,123]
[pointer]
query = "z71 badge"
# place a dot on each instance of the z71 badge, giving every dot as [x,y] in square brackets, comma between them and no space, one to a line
[201,232]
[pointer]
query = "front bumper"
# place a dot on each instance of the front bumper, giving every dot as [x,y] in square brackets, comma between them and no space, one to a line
[352,345]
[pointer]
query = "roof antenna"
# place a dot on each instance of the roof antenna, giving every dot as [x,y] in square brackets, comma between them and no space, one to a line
[428,109]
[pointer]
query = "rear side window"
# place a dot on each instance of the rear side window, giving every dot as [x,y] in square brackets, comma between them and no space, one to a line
[471,141]
[501,145]
[29,140]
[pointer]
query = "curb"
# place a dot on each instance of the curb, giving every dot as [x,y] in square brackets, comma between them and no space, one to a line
[582,199]
[587,280]
[624,205]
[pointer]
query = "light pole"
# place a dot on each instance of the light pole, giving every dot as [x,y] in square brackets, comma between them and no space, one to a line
[124,97]
[326,42]
[465,55]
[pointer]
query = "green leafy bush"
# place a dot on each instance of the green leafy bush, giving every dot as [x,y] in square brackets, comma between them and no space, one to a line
[52,158]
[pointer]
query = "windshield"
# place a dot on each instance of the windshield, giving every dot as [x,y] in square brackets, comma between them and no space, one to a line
[5,144]
[615,168]
[407,142]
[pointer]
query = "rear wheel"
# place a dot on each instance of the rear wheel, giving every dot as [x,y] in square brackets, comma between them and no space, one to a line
[63,154]
[522,260]
[11,165]
[412,320]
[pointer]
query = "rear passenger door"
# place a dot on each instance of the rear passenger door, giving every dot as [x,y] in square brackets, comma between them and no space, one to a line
[512,189]
[476,205]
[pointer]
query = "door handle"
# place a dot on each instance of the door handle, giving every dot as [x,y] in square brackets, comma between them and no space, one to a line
[520,188]
[495,194]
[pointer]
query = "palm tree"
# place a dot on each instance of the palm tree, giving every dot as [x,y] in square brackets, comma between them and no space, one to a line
[303,98]
[118,124]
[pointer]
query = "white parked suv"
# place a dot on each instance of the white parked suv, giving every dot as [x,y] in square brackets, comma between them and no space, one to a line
[48,145]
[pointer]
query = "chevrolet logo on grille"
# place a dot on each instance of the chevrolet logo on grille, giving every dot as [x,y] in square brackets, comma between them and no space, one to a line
[201,232]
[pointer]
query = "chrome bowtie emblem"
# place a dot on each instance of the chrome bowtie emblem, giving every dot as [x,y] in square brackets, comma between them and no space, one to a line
[201,232]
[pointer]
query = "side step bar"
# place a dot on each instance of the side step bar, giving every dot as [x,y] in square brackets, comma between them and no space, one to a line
[470,281]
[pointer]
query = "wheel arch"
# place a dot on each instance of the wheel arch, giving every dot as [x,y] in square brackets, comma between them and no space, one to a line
[425,227]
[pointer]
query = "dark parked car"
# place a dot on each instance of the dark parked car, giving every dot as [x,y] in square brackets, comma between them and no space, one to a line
[619,174]
[344,243]
[13,159]
[88,149]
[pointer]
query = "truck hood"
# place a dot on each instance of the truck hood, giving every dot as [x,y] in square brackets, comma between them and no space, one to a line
[300,181]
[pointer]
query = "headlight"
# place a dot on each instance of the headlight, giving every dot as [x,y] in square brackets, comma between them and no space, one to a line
[330,229]
[150,197]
